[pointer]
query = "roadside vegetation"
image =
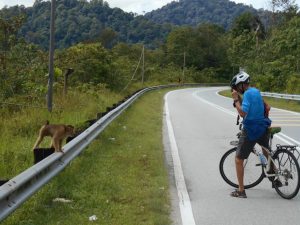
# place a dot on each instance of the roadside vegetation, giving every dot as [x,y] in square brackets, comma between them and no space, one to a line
[121,178]
[20,125]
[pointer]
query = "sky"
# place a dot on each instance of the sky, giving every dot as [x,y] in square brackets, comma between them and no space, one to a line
[141,6]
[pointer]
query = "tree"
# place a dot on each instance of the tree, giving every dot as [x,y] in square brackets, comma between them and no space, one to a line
[286,8]
[248,23]
[108,37]
[8,37]
[92,64]
[204,47]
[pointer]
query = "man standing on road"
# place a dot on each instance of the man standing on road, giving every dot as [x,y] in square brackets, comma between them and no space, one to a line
[255,124]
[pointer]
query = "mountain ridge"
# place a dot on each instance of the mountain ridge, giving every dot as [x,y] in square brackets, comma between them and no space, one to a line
[82,20]
[194,12]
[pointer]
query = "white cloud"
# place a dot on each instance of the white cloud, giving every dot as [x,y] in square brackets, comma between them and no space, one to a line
[259,3]
[16,2]
[139,6]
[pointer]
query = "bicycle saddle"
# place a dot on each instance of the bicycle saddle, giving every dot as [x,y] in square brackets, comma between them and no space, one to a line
[274,130]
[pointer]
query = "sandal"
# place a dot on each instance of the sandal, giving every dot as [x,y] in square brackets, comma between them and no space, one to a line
[238,194]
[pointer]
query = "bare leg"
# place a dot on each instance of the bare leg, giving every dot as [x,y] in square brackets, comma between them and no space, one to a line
[264,152]
[239,165]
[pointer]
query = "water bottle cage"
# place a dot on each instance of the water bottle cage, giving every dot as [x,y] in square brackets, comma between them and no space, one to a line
[263,159]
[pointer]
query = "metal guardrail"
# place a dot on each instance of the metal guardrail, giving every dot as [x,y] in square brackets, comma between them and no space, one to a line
[17,190]
[20,188]
[283,96]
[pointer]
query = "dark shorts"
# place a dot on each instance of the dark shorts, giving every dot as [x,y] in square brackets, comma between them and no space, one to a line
[245,146]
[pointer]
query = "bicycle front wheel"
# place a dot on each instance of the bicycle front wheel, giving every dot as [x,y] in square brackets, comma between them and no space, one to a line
[253,174]
[287,172]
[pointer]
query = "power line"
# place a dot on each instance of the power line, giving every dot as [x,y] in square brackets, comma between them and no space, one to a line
[134,71]
[143,68]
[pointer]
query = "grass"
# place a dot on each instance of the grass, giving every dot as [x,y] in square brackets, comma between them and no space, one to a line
[19,127]
[121,177]
[274,102]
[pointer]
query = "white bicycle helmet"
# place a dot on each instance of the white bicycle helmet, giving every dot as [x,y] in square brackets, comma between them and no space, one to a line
[241,77]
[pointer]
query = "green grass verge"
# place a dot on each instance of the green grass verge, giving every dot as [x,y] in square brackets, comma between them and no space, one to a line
[121,177]
[19,126]
[274,102]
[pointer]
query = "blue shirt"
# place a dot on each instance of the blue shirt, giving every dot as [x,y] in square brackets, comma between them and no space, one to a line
[254,122]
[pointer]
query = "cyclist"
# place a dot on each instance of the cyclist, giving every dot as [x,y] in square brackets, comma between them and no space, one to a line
[255,124]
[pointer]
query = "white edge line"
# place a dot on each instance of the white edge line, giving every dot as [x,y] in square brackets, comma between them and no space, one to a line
[289,138]
[214,105]
[186,211]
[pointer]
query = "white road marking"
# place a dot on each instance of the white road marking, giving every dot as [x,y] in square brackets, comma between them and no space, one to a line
[287,111]
[195,94]
[186,211]
[285,137]
[275,124]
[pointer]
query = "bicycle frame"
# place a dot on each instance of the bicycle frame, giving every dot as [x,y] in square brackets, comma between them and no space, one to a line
[281,166]
[270,162]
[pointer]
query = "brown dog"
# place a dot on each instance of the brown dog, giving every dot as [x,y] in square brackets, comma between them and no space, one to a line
[58,132]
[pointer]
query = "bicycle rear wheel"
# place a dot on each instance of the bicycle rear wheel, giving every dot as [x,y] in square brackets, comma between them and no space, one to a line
[253,174]
[288,172]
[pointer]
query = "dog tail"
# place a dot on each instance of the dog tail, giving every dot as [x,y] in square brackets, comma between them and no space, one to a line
[47,122]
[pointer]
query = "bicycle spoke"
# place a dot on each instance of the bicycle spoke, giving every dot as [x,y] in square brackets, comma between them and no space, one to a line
[288,173]
[253,174]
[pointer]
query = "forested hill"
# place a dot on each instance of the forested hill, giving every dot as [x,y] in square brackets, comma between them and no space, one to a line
[82,20]
[88,21]
[194,12]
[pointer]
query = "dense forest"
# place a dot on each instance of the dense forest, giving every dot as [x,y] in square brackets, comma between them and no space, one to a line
[83,20]
[195,12]
[204,53]
[78,21]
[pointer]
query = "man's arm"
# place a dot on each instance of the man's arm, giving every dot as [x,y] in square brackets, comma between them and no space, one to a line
[237,102]
[239,108]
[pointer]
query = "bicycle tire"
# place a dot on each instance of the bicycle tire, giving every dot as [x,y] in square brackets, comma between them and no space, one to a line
[229,174]
[288,175]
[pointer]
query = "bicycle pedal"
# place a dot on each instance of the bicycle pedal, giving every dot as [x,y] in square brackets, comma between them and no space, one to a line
[259,164]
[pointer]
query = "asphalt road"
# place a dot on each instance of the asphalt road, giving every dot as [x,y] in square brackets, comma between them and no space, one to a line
[199,124]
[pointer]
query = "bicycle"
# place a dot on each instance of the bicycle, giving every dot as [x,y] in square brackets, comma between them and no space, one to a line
[281,165]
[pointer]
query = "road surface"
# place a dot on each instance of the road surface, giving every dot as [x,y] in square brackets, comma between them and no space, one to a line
[198,126]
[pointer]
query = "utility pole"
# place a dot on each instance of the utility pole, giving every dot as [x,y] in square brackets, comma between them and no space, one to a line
[51,58]
[143,68]
[297,54]
[183,68]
